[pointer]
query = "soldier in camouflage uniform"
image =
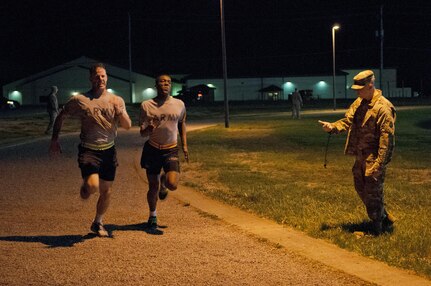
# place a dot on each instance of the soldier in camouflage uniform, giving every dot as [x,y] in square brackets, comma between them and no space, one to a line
[296,104]
[370,122]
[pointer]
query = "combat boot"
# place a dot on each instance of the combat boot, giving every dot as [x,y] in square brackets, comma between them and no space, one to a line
[388,221]
[376,227]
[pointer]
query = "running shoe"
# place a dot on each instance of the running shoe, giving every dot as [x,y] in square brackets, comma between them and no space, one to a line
[99,229]
[152,222]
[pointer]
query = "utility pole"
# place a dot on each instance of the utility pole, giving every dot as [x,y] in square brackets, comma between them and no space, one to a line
[223,44]
[381,33]
[130,60]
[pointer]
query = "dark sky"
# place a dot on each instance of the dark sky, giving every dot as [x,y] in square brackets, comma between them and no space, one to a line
[263,37]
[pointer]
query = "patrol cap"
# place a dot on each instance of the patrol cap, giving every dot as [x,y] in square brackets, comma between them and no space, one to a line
[361,79]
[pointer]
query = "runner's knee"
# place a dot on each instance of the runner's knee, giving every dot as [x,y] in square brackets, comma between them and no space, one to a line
[171,186]
[172,179]
[92,187]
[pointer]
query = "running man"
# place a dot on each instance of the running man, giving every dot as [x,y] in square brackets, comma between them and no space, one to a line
[100,112]
[161,119]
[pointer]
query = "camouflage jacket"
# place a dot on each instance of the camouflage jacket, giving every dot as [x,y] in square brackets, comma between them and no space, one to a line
[371,129]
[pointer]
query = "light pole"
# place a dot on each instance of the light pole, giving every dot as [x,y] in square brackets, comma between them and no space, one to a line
[130,59]
[335,27]
[223,45]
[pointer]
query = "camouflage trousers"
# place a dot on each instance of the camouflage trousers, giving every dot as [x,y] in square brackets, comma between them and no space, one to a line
[369,189]
[296,111]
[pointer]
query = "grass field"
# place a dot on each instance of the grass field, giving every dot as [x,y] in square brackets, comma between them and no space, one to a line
[272,165]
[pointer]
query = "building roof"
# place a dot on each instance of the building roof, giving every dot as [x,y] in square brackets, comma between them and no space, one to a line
[266,75]
[81,62]
[271,88]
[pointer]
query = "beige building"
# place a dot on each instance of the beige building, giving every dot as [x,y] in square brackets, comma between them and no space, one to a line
[319,86]
[73,77]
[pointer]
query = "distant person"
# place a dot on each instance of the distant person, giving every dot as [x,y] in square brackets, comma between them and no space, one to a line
[52,108]
[296,104]
[100,112]
[162,118]
[370,122]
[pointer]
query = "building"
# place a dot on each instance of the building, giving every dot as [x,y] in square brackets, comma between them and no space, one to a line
[273,88]
[73,77]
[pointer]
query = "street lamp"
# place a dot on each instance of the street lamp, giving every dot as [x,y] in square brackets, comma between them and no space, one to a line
[335,27]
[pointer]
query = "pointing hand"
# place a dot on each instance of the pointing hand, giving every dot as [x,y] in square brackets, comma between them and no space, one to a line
[327,126]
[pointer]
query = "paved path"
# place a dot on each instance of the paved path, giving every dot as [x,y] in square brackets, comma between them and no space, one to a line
[44,237]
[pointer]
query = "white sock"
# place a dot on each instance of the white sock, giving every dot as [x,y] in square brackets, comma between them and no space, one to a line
[98,218]
[153,213]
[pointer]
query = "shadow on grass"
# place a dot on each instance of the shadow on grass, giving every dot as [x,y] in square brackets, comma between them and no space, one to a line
[425,124]
[51,241]
[135,227]
[364,226]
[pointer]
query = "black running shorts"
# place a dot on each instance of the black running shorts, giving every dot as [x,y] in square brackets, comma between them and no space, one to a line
[102,162]
[154,159]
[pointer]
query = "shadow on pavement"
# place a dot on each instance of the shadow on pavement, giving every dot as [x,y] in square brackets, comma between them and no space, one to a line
[135,227]
[51,241]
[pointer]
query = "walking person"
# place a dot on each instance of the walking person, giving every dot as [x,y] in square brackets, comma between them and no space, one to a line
[161,119]
[370,122]
[52,108]
[296,104]
[100,112]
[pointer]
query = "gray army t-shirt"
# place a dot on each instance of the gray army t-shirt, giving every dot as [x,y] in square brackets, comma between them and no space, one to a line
[166,118]
[97,115]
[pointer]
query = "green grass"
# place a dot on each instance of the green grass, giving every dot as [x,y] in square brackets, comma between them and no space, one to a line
[19,128]
[273,166]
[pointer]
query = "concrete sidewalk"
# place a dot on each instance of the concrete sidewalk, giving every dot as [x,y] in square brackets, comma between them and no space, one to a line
[365,268]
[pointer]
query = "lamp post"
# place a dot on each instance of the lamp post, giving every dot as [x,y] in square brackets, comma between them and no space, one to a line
[335,27]
[223,44]
[130,59]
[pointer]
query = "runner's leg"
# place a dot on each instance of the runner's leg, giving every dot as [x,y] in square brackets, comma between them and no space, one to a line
[105,190]
[153,185]
[172,179]
[91,183]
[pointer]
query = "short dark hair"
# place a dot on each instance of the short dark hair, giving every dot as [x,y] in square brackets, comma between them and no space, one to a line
[95,66]
[161,74]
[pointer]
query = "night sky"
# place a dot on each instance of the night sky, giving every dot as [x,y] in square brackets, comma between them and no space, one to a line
[263,37]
